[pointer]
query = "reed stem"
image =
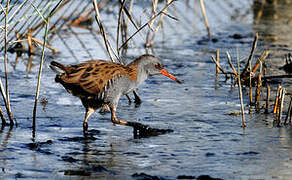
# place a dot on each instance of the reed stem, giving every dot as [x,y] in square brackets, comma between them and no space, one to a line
[39,77]
[205,17]
[276,99]
[258,89]
[240,94]
[8,108]
[254,45]
[218,60]
[281,103]
[97,18]
[230,63]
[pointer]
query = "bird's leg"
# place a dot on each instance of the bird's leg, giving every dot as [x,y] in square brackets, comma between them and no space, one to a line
[114,118]
[129,99]
[137,97]
[88,113]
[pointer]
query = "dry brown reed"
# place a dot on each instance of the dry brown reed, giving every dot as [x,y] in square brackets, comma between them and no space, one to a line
[217,65]
[243,124]
[205,17]
[230,63]
[275,109]
[249,61]
[218,60]
[281,103]
[98,20]
[7,99]
[258,89]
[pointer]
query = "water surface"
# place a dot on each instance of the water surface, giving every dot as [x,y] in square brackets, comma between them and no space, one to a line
[206,140]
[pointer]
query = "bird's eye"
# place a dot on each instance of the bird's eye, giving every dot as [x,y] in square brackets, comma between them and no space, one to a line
[158,66]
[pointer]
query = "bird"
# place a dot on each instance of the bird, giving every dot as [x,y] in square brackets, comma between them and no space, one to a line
[101,83]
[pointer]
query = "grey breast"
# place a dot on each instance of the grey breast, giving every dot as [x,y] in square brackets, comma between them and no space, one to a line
[116,87]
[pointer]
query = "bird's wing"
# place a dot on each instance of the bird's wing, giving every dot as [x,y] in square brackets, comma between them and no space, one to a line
[92,76]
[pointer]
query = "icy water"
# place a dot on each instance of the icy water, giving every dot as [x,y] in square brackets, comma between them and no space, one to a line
[206,140]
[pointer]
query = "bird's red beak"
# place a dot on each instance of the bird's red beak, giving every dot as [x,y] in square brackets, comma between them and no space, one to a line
[165,73]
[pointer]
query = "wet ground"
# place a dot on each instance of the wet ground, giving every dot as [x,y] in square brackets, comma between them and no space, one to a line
[206,140]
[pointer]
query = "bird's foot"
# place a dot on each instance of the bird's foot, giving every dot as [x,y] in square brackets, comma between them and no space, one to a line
[138,125]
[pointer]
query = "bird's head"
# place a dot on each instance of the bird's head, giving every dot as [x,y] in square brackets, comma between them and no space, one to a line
[152,66]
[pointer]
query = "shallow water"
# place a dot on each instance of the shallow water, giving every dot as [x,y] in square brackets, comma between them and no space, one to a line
[206,140]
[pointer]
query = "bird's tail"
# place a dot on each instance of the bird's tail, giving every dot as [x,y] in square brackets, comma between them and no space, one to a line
[57,67]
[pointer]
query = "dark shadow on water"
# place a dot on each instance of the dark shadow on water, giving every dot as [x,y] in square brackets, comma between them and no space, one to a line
[5,139]
[86,138]
[85,171]
[145,131]
[144,176]
[41,147]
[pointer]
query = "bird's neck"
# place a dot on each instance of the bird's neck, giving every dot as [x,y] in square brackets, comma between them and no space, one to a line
[139,67]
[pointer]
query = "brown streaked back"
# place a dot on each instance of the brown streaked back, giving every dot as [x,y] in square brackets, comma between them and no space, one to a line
[90,77]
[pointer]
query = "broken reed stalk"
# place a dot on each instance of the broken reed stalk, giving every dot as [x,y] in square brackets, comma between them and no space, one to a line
[205,17]
[254,45]
[263,56]
[217,60]
[276,99]
[7,104]
[250,85]
[230,63]
[268,98]
[258,89]
[47,46]
[281,102]
[39,76]
[217,65]
[288,117]
[240,94]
